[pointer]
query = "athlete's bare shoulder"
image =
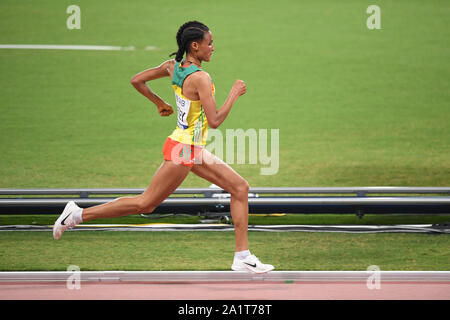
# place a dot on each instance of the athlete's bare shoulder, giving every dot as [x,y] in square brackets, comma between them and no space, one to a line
[201,75]
[168,62]
[168,66]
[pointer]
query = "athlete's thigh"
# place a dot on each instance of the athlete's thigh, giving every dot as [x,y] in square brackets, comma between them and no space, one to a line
[165,181]
[218,172]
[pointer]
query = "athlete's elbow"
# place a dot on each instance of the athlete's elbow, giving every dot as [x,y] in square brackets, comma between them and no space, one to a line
[214,120]
[135,81]
[213,124]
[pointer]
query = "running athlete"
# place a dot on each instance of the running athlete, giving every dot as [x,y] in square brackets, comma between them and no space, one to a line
[184,150]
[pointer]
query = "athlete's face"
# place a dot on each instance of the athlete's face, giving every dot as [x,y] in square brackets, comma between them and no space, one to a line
[205,48]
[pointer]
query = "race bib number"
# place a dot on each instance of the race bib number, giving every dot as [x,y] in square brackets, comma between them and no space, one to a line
[183,106]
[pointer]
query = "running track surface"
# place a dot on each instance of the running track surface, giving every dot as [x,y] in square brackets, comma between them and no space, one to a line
[225,291]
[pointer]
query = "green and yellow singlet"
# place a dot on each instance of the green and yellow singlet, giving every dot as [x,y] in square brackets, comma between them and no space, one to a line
[192,125]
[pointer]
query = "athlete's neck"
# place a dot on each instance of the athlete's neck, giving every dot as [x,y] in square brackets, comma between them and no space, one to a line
[192,60]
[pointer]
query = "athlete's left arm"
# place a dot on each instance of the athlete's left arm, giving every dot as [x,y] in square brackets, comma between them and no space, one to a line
[139,82]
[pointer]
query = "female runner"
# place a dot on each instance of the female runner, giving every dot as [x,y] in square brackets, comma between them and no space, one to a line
[184,150]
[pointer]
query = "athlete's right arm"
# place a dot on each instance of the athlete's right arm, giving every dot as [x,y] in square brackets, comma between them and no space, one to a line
[216,117]
[139,82]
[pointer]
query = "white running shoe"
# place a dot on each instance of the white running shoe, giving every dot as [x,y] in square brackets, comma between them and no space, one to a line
[65,220]
[252,264]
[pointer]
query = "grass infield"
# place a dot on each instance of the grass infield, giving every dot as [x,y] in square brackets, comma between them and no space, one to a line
[355,107]
[153,251]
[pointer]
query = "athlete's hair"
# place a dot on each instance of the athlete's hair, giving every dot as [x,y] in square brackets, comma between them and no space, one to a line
[189,32]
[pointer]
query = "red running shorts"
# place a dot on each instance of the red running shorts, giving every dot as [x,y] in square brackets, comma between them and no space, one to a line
[180,153]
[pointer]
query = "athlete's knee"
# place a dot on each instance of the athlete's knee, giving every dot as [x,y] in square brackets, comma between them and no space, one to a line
[241,189]
[144,206]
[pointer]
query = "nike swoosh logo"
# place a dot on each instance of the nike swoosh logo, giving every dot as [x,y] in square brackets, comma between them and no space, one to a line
[62,222]
[251,265]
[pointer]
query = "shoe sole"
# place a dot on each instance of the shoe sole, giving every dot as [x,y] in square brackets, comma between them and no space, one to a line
[251,270]
[67,210]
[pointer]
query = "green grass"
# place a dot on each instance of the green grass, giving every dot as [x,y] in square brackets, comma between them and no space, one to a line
[214,251]
[355,107]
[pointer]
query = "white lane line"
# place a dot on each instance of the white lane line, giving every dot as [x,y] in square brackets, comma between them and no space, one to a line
[219,276]
[70,47]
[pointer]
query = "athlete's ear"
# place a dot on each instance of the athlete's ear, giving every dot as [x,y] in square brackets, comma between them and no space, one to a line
[195,45]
